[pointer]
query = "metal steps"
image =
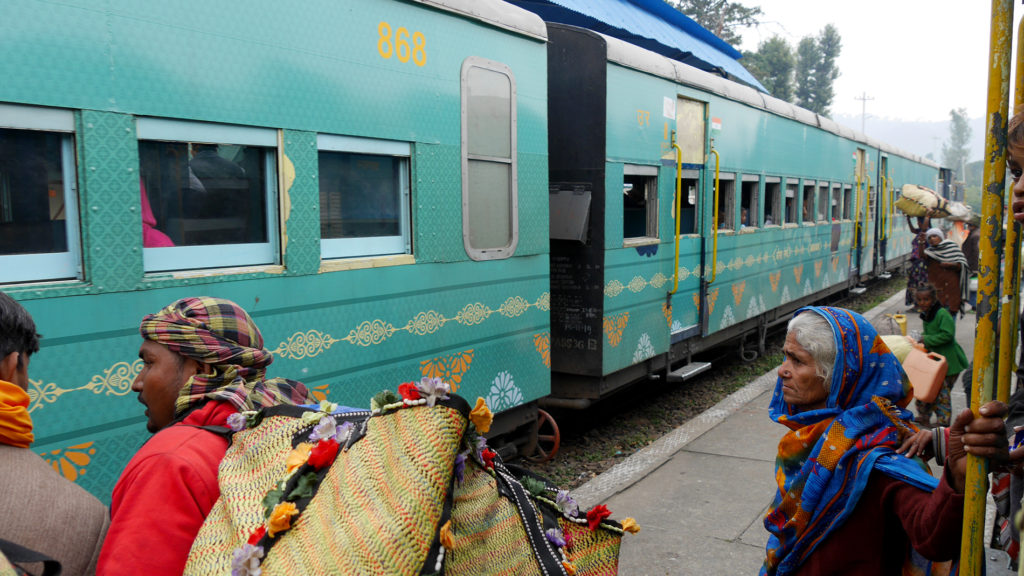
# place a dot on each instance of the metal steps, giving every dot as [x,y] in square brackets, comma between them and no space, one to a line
[858,290]
[688,371]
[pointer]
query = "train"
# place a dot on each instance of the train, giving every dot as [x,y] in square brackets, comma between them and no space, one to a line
[394,189]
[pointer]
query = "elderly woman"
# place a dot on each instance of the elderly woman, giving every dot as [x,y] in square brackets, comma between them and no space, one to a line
[846,502]
[948,270]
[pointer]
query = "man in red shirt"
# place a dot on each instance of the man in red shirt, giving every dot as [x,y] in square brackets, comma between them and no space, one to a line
[204,360]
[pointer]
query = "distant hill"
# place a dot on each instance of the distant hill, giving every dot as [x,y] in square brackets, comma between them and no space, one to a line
[922,138]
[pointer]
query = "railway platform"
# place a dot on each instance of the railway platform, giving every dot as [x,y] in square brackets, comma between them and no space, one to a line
[700,493]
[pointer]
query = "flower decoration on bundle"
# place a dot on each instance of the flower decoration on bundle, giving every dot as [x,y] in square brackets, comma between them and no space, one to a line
[630,525]
[323,453]
[488,456]
[596,515]
[433,389]
[237,422]
[281,518]
[245,561]
[555,536]
[408,391]
[481,416]
[567,504]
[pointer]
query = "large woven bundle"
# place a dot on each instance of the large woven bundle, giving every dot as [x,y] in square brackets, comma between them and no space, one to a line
[918,200]
[406,488]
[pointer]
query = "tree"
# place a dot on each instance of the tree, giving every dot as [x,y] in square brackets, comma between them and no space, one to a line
[721,17]
[956,150]
[772,65]
[816,69]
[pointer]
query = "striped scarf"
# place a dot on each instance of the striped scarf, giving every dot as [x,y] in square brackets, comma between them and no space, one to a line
[948,252]
[220,333]
[824,462]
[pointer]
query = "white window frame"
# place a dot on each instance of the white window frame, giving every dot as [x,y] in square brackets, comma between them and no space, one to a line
[179,258]
[508,250]
[54,265]
[332,248]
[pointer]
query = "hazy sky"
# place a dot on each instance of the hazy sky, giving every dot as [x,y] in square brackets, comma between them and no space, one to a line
[918,59]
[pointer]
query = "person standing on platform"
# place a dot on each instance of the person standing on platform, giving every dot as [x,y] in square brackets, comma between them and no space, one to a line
[917,271]
[204,361]
[847,503]
[940,337]
[947,270]
[42,510]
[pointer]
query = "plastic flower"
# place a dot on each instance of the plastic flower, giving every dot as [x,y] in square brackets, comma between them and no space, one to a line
[245,561]
[460,466]
[281,518]
[630,525]
[433,389]
[323,454]
[257,534]
[481,416]
[298,456]
[570,568]
[555,536]
[447,540]
[567,504]
[327,427]
[596,514]
[408,391]
[237,422]
[488,457]
[481,445]
[343,432]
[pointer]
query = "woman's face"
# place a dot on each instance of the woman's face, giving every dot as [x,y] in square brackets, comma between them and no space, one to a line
[1015,164]
[801,386]
[934,240]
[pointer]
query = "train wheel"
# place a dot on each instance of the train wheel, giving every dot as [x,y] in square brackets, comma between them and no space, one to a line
[548,438]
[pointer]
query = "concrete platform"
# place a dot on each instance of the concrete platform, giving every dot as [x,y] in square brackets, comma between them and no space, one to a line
[700,492]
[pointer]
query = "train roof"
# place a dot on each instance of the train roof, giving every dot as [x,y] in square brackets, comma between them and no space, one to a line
[638,58]
[496,13]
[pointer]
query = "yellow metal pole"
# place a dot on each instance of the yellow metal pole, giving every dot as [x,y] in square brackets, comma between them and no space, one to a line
[972,556]
[714,223]
[678,206]
[1009,311]
[856,211]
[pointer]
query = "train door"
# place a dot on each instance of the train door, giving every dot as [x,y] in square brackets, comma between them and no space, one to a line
[945,185]
[859,211]
[691,209]
[880,201]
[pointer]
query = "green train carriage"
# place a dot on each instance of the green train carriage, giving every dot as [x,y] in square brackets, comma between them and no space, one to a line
[778,207]
[373,190]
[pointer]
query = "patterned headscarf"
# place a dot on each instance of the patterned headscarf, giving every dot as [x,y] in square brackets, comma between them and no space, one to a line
[220,333]
[824,462]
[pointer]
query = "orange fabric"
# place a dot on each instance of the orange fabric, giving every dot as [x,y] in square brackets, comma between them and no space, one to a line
[15,422]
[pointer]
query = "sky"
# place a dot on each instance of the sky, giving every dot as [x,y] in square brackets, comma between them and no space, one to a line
[916,59]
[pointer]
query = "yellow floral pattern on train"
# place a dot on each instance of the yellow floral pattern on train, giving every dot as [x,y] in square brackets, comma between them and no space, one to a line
[115,380]
[614,326]
[70,462]
[449,368]
[377,331]
[307,344]
[542,342]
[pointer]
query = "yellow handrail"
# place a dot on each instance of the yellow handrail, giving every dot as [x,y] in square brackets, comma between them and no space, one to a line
[972,557]
[678,204]
[892,206]
[856,209]
[714,221]
[883,208]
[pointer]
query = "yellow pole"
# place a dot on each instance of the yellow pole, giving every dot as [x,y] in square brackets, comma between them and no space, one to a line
[1009,311]
[856,211]
[972,556]
[714,223]
[678,205]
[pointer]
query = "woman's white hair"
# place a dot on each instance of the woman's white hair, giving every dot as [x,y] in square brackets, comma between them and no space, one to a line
[814,333]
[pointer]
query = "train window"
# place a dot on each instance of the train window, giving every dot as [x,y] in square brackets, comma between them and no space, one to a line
[490,212]
[772,201]
[837,196]
[691,195]
[790,206]
[640,202]
[808,202]
[748,200]
[207,185]
[823,201]
[726,202]
[364,197]
[39,238]
[847,201]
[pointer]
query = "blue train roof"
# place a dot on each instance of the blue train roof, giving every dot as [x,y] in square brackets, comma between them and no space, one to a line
[651,24]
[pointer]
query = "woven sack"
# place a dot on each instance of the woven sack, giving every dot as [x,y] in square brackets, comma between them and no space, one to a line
[917,200]
[412,489]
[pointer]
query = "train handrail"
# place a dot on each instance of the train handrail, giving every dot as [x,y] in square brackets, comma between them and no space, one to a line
[678,205]
[892,206]
[714,219]
[972,557]
[883,184]
[856,211]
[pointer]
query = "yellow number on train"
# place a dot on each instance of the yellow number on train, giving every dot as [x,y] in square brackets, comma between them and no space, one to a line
[399,46]
[402,44]
[419,48]
[384,43]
